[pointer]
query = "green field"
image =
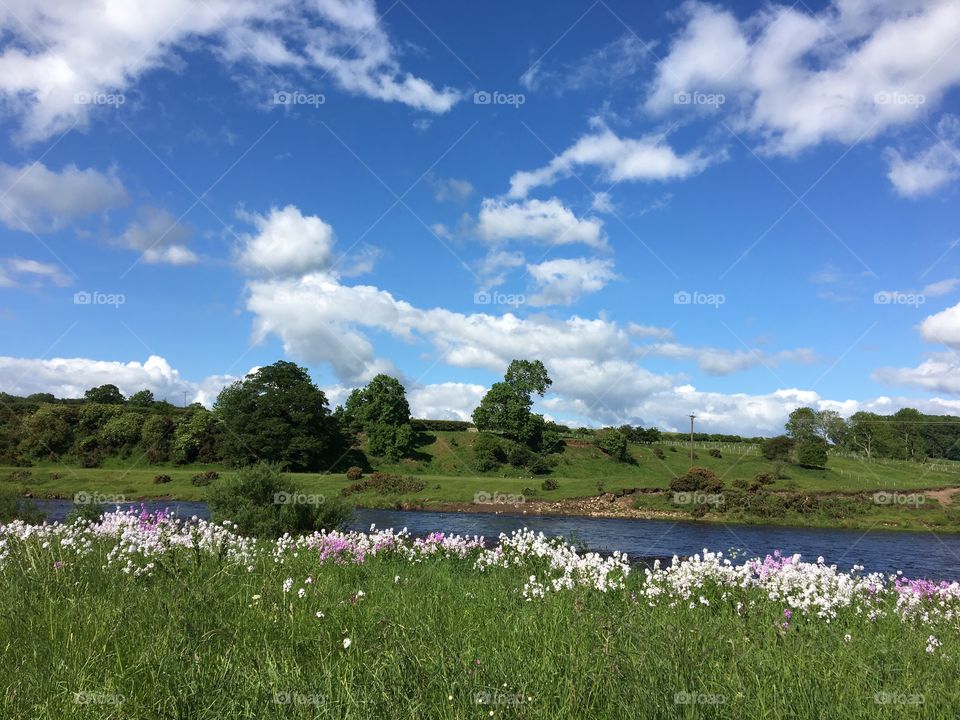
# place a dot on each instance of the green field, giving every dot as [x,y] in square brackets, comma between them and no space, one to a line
[445,459]
[277,631]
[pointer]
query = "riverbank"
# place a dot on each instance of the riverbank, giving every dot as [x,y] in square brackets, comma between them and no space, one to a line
[207,625]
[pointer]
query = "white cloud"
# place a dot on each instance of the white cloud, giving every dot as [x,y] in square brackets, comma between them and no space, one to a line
[926,172]
[546,221]
[943,327]
[617,61]
[718,361]
[159,236]
[561,281]
[59,51]
[452,189]
[18,271]
[445,401]
[938,373]
[287,243]
[71,377]
[798,78]
[496,264]
[648,158]
[39,200]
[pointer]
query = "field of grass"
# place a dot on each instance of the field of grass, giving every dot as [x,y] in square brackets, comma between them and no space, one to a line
[217,628]
[445,461]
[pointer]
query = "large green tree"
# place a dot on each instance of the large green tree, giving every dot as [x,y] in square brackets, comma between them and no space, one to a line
[277,414]
[506,408]
[107,394]
[381,411]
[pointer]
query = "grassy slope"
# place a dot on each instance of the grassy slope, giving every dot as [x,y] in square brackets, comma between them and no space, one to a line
[445,459]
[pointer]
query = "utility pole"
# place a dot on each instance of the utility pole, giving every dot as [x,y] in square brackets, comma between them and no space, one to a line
[691,439]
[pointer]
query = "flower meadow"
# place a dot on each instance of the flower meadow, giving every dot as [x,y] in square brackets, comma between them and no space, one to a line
[146,615]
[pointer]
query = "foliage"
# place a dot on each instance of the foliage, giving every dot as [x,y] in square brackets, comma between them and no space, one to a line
[142,398]
[354,473]
[14,507]
[812,452]
[613,443]
[106,394]
[506,408]
[263,503]
[715,453]
[48,431]
[386,484]
[156,437]
[160,479]
[697,479]
[204,478]
[777,448]
[277,414]
[196,438]
[549,484]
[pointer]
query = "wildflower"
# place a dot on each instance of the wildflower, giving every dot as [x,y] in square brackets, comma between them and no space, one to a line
[287,584]
[320,614]
[846,638]
[346,643]
[255,597]
[396,579]
[933,644]
[57,565]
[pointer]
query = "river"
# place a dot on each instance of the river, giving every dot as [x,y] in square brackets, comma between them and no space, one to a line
[926,554]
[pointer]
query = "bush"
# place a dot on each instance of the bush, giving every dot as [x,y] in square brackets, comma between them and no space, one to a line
[205,478]
[812,452]
[658,453]
[158,479]
[715,453]
[488,452]
[19,476]
[386,484]
[91,512]
[256,499]
[549,484]
[614,444]
[697,479]
[354,473]
[673,449]
[529,492]
[14,507]
[777,448]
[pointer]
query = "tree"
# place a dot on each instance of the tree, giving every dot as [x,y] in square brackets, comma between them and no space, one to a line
[106,394]
[121,432]
[48,431]
[196,438]
[804,422]
[156,437]
[777,448]
[831,427]
[812,452]
[143,398]
[277,414]
[381,410]
[868,433]
[506,408]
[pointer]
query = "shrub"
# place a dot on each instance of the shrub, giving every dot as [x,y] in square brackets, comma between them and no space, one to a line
[673,449]
[549,484]
[529,492]
[777,448]
[614,444]
[658,453]
[697,479]
[90,512]
[354,473]
[715,453]
[205,478]
[812,452]
[14,507]
[158,479]
[488,452]
[20,476]
[386,484]
[255,499]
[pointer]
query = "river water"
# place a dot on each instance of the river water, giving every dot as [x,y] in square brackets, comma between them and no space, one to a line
[917,554]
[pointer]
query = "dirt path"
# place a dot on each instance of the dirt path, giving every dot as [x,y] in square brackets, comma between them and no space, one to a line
[943,497]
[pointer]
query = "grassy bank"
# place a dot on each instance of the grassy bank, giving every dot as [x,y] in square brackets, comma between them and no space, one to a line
[206,625]
[445,462]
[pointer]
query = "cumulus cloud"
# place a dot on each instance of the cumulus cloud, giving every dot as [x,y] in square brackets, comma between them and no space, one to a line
[943,327]
[60,55]
[545,221]
[938,373]
[718,361]
[561,281]
[796,78]
[159,237]
[16,272]
[647,158]
[455,189]
[445,401]
[39,199]
[71,377]
[287,242]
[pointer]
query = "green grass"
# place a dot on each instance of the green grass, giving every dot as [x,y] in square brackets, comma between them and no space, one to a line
[193,643]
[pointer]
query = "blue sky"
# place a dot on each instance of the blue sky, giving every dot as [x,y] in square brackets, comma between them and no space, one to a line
[433,189]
